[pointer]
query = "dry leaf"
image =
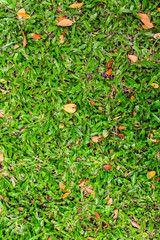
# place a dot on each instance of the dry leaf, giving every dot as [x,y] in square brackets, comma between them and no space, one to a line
[1,157]
[107,167]
[95,139]
[134,113]
[152,174]
[132,97]
[109,64]
[116,213]
[106,225]
[92,103]
[16,46]
[49,238]
[61,39]
[24,39]
[81,184]
[121,135]
[109,72]
[105,133]
[36,36]
[77,141]
[145,27]
[153,187]
[1,115]
[134,224]
[62,186]
[158,9]
[113,156]
[70,108]
[118,167]
[65,195]
[115,51]
[155,85]
[110,201]
[121,127]
[76,5]
[116,118]
[65,23]
[145,19]
[90,238]
[97,215]
[89,191]
[20,209]
[61,126]
[27,68]
[133,58]
[22,10]
[61,18]
[22,14]
[13,180]
[157,179]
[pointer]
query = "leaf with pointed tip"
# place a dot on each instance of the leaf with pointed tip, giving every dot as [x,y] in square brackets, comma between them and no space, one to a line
[65,23]
[76,5]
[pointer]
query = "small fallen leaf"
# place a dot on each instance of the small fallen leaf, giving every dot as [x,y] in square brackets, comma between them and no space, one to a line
[61,126]
[95,139]
[133,58]
[97,215]
[81,184]
[158,9]
[100,108]
[1,115]
[121,127]
[105,133]
[24,39]
[106,225]
[61,39]
[153,187]
[118,167]
[22,10]
[76,5]
[121,135]
[113,156]
[145,19]
[132,97]
[89,191]
[109,64]
[134,224]
[61,18]
[27,68]
[115,51]
[77,141]
[116,213]
[90,238]
[145,27]
[134,113]
[65,23]
[36,36]
[65,195]
[152,174]
[23,15]
[20,209]
[16,46]
[92,103]
[109,72]
[157,179]
[1,157]
[13,180]
[116,118]
[110,151]
[110,201]
[70,108]
[107,166]
[49,238]
[30,112]
[155,85]
[62,186]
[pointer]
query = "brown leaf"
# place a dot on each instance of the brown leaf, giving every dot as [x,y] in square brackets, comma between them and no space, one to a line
[109,72]
[22,14]
[121,135]
[110,201]
[92,103]
[133,58]
[65,195]
[24,39]
[36,36]
[61,39]
[65,23]
[22,10]
[1,115]
[70,108]
[16,46]
[89,191]
[155,85]
[81,184]
[61,18]
[97,215]
[145,19]
[115,51]
[116,213]
[20,209]
[109,64]
[122,127]
[107,167]
[136,225]
[76,5]
[1,157]
[95,139]
[152,174]
[116,118]
[106,225]
[62,186]
[13,180]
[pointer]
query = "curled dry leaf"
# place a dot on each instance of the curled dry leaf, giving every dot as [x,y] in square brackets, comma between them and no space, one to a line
[89,191]
[65,195]
[70,108]
[155,85]
[95,139]
[110,201]
[61,39]
[24,39]
[22,14]
[152,174]
[61,18]
[133,58]
[16,46]
[92,103]
[109,64]
[136,225]
[1,157]
[81,184]
[121,127]
[65,23]
[76,5]
[62,186]
[115,213]
[145,19]
[97,215]
[36,36]
[109,72]
[107,166]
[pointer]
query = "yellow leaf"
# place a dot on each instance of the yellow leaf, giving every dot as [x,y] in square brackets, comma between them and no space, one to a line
[152,174]
[133,58]
[1,115]
[62,39]
[116,213]
[65,23]
[1,157]
[122,127]
[145,19]
[65,195]
[61,186]
[76,5]
[134,224]
[155,85]
[158,9]
[23,15]
[132,98]
[61,126]
[70,108]
[156,35]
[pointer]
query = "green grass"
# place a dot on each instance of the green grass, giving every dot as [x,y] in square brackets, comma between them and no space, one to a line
[42,155]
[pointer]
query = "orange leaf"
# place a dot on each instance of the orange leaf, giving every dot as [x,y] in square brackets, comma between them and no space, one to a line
[133,58]
[107,167]
[65,23]
[65,195]
[157,179]
[70,108]
[145,19]
[61,18]
[106,225]
[24,39]
[62,186]
[109,64]
[20,209]
[101,138]
[132,97]
[81,184]
[110,201]
[95,139]
[116,213]
[1,157]
[90,191]
[97,215]
[156,36]
[61,39]
[121,135]
[23,15]
[152,174]
[134,224]
[118,167]
[109,72]
[16,46]
[76,5]
[158,9]
[92,103]
[36,36]
[115,51]
[122,127]
[155,85]
[1,115]
[27,68]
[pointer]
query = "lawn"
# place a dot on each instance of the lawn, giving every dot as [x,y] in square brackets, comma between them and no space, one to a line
[92,173]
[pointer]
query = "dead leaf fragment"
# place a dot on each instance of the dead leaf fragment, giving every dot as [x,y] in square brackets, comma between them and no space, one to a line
[97,215]
[116,213]
[1,157]
[61,126]
[24,39]
[118,167]
[1,115]
[110,201]
[16,46]
[61,39]
[133,58]
[157,179]
[22,14]
[109,64]
[121,127]
[20,209]
[81,184]
[62,186]
[89,191]
[145,19]
[158,9]
[92,103]
[109,72]
[70,108]
[36,36]
[95,139]
[132,97]
[65,195]
[152,174]
[136,225]
[76,5]
[65,23]
[155,85]
[107,166]
[121,135]
[106,225]
[61,18]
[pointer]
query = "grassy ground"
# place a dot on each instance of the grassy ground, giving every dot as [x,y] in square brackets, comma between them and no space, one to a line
[38,155]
